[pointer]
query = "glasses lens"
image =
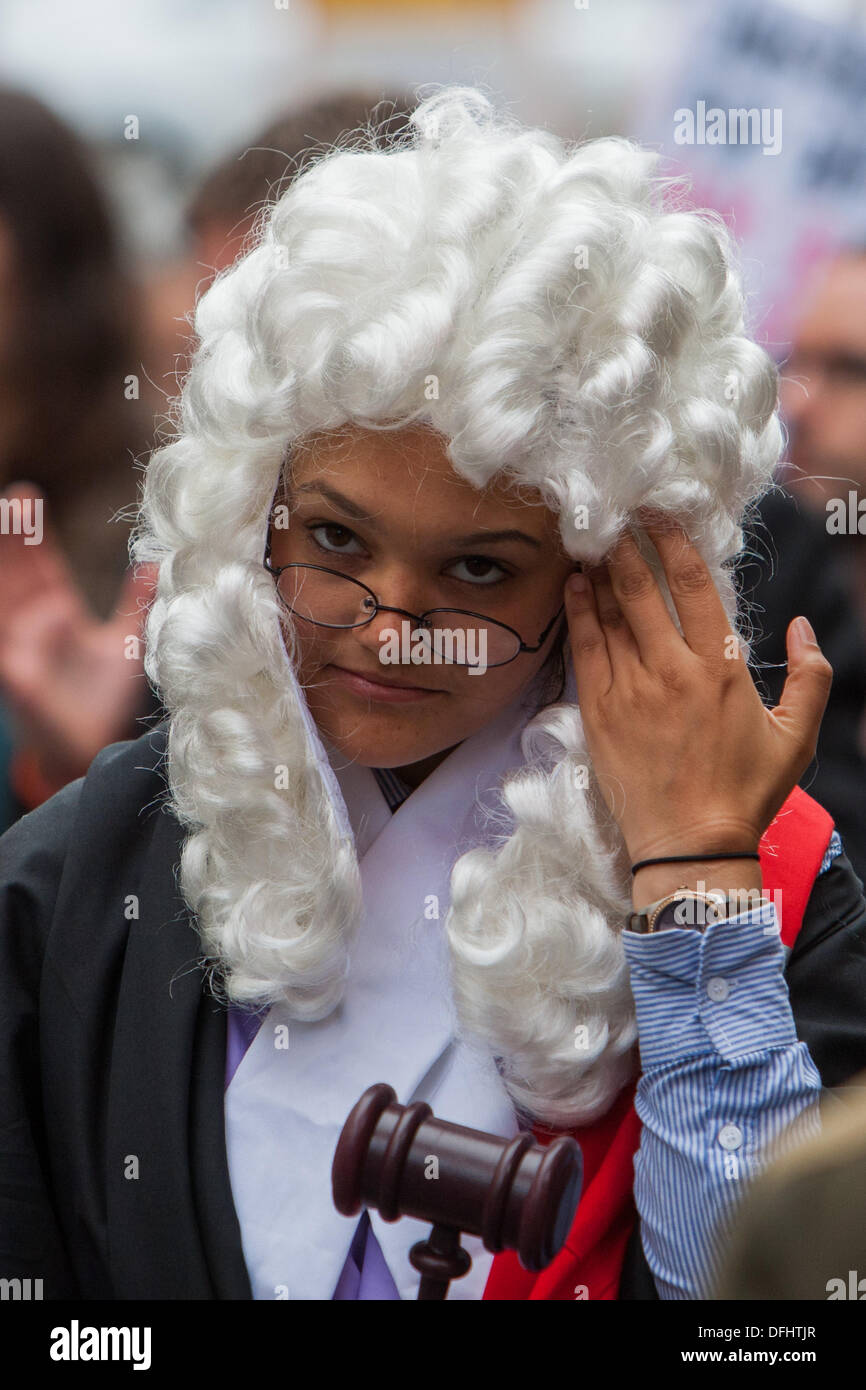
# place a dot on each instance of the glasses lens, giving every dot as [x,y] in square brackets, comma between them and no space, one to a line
[322,597]
[465,641]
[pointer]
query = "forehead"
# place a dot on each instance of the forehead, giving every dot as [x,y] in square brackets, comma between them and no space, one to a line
[836,304]
[408,471]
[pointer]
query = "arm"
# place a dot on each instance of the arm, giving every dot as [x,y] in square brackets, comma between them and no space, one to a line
[689,760]
[724,1076]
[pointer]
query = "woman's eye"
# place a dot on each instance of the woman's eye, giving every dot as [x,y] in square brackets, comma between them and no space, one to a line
[483,578]
[332,526]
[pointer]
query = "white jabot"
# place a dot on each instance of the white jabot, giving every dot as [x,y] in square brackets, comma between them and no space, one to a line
[285,1107]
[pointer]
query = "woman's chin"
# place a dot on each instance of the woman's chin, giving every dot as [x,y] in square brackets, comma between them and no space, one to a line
[390,738]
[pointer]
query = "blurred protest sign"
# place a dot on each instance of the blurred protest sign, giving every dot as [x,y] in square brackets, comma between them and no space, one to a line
[764,106]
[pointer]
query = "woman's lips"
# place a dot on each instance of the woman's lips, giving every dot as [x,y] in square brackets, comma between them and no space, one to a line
[373,690]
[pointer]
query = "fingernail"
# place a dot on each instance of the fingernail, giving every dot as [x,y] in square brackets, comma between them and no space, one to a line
[577,583]
[806,631]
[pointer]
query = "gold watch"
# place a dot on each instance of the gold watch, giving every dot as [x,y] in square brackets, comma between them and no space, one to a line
[685,907]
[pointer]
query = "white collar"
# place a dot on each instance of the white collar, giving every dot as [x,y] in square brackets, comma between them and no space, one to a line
[285,1107]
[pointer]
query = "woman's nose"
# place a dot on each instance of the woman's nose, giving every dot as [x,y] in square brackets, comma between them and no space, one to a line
[401,592]
[374,636]
[402,602]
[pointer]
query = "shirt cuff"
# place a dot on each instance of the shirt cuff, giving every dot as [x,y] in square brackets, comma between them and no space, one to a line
[719,991]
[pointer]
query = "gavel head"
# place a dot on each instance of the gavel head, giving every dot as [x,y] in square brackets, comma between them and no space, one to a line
[516,1194]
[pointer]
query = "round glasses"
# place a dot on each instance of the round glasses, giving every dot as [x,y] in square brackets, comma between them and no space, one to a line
[330,599]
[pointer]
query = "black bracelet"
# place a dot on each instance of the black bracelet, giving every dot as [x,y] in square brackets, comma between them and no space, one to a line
[694,859]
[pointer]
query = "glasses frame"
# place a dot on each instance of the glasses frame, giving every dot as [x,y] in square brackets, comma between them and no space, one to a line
[421,618]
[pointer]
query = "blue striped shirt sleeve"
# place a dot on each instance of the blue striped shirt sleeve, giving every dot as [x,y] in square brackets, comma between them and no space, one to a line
[725,1084]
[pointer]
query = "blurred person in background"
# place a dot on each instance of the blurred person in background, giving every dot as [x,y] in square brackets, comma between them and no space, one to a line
[71,677]
[797,560]
[790,565]
[223,211]
[801,1232]
[824,399]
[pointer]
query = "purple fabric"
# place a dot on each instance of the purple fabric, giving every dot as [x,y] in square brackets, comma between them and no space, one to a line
[366,1277]
[365,1274]
[242,1028]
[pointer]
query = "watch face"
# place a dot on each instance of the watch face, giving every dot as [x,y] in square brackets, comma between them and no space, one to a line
[689,911]
[681,914]
[692,913]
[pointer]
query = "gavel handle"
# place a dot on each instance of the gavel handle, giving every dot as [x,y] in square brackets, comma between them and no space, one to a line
[439,1259]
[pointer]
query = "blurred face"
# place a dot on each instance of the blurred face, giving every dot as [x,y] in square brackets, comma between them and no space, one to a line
[388,509]
[825,406]
[217,245]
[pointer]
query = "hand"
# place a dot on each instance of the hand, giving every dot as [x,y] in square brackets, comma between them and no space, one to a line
[71,681]
[687,755]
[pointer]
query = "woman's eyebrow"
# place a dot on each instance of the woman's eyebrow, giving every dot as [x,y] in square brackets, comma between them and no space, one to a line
[485,538]
[358,514]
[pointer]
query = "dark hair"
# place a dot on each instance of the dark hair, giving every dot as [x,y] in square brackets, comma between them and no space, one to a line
[548,686]
[68,342]
[554,687]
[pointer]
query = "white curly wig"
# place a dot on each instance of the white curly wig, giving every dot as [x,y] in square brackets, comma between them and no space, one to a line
[586,332]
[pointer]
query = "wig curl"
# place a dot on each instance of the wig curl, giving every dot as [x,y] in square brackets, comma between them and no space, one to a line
[564,321]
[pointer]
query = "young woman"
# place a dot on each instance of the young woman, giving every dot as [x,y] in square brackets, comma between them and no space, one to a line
[412,783]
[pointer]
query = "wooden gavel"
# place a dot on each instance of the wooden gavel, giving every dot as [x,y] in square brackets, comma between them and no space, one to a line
[515,1194]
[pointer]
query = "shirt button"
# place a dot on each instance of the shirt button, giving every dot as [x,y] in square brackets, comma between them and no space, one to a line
[730,1137]
[718,989]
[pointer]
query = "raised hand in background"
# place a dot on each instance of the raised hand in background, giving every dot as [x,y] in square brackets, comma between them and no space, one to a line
[71,682]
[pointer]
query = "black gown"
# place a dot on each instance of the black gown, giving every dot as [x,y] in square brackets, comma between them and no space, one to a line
[111,1047]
